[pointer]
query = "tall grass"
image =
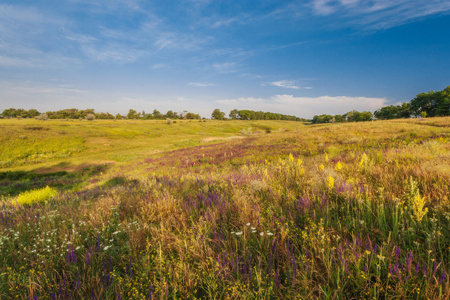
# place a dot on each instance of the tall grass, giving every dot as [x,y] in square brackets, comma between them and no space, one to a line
[349,211]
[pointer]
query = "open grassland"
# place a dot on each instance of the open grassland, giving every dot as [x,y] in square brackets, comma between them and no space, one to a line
[213,210]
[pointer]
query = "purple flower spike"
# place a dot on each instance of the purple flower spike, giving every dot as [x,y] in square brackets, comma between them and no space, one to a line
[442,278]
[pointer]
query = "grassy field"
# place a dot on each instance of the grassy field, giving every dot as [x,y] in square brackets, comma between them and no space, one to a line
[225,210]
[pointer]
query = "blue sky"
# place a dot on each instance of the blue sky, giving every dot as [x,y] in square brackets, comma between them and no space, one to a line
[293,57]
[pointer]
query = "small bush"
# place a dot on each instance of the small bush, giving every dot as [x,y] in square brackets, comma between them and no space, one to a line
[42,117]
[90,117]
[35,196]
[169,121]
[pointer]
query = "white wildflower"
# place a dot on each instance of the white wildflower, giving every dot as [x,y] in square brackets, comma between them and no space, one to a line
[239,233]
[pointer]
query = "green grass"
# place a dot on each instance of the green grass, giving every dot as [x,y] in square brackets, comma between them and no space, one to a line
[31,144]
[203,210]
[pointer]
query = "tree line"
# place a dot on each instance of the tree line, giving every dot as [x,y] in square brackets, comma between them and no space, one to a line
[73,113]
[253,115]
[430,104]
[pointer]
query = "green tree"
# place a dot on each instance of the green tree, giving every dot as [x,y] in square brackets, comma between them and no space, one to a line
[234,114]
[157,115]
[217,114]
[433,103]
[132,114]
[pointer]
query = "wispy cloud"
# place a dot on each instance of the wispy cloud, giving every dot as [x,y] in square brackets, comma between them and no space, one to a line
[287,84]
[306,106]
[379,14]
[180,41]
[226,67]
[224,22]
[159,66]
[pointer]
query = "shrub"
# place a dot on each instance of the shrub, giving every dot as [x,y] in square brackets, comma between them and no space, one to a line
[90,117]
[42,117]
[169,121]
[35,196]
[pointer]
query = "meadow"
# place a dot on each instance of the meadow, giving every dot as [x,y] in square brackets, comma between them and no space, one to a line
[224,210]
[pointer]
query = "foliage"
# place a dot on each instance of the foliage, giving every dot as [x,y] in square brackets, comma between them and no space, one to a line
[402,111]
[42,117]
[432,103]
[260,115]
[218,115]
[352,116]
[348,211]
[90,117]
[35,196]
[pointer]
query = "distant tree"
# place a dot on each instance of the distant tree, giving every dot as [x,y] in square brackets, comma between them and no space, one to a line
[245,114]
[171,115]
[157,115]
[365,116]
[393,112]
[132,114]
[322,119]
[433,103]
[119,117]
[33,113]
[234,114]
[217,114]
[192,116]
[104,116]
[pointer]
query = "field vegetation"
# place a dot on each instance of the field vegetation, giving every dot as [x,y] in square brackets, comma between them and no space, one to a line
[135,209]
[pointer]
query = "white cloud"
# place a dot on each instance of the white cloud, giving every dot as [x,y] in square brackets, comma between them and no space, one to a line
[227,67]
[287,84]
[379,14]
[306,107]
[180,41]
[224,22]
[159,66]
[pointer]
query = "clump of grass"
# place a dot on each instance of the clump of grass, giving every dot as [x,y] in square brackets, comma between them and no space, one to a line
[35,196]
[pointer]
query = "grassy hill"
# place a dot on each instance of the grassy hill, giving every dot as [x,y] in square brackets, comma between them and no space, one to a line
[224,209]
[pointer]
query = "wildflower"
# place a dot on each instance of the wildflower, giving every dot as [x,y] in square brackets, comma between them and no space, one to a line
[232,232]
[261,234]
[239,233]
[291,157]
[248,224]
[330,182]
[338,166]
[269,233]
[106,248]
[321,167]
